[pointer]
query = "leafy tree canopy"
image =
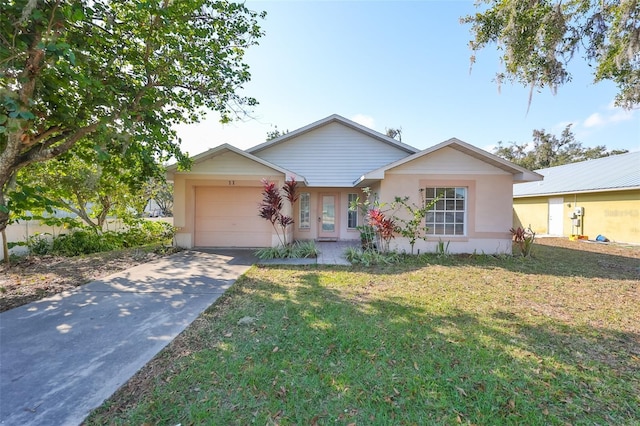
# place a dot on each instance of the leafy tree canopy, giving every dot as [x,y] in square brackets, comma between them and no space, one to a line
[276,133]
[115,73]
[91,182]
[161,192]
[539,38]
[548,150]
[395,133]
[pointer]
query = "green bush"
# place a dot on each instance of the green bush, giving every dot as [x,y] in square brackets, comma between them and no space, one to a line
[305,249]
[39,244]
[299,249]
[87,241]
[84,242]
[371,257]
[142,232]
[268,253]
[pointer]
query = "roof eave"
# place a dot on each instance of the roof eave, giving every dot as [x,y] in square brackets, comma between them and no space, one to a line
[527,176]
[173,169]
[582,191]
[520,174]
[369,178]
[334,118]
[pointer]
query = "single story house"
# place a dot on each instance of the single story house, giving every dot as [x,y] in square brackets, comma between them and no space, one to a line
[591,198]
[333,159]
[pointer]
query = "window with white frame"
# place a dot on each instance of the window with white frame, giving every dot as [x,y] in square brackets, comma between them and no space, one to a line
[352,215]
[447,216]
[305,209]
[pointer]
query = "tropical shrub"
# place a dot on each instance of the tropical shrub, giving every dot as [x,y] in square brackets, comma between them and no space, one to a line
[524,239]
[85,240]
[378,222]
[297,250]
[371,257]
[272,203]
[39,244]
[413,228]
[442,249]
[383,225]
[367,237]
[141,232]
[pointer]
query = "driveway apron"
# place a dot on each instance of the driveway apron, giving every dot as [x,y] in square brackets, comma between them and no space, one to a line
[62,356]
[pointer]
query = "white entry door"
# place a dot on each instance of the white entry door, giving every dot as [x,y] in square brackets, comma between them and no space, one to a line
[556,209]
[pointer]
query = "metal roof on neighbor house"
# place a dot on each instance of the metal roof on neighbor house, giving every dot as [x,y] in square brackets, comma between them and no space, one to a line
[617,172]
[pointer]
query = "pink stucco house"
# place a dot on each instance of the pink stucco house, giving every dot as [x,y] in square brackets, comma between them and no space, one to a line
[216,202]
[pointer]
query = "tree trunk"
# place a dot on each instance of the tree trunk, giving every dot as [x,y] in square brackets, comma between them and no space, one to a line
[102,216]
[4,220]
[5,246]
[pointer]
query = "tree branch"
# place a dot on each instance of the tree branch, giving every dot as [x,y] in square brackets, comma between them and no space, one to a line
[45,151]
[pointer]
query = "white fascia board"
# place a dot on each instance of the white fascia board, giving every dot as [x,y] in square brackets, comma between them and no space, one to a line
[583,191]
[172,169]
[334,118]
[520,174]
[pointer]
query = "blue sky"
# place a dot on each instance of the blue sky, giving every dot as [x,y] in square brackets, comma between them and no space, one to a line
[402,64]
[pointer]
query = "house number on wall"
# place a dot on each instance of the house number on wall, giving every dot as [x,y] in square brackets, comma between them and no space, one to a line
[232,182]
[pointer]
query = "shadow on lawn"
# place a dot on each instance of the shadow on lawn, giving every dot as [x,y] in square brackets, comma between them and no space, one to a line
[403,361]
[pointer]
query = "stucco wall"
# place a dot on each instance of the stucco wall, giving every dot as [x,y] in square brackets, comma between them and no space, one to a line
[488,215]
[614,214]
[184,206]
[342,207]
[223,169]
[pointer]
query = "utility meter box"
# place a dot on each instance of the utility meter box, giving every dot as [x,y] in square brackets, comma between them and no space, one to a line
[578,211]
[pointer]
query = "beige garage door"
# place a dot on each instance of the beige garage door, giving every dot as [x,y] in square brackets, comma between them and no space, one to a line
[228,217]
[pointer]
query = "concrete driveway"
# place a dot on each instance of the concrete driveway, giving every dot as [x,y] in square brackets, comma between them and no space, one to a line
[62,356]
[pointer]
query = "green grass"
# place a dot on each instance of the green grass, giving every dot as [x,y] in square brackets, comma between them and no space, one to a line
[433,340]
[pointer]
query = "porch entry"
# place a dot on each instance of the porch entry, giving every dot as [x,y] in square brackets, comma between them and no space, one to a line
[327,219]
[556,208]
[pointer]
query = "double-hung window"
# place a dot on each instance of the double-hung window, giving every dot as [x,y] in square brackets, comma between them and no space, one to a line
[305,209]
[447,216]
[352,215]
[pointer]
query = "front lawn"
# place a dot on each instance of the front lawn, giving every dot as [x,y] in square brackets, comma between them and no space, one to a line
[443,340]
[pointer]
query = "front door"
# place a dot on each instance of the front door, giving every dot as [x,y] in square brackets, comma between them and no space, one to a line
[556,207]
[327,221]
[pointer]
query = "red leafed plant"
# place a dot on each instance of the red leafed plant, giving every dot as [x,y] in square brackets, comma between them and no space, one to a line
[524,239]
[289,189]
[384,226]
[271,206]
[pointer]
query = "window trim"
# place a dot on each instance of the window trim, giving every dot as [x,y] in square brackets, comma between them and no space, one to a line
[352,213]
[432,225]
[301,205]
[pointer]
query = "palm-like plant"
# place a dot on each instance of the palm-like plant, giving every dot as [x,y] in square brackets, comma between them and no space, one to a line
[271,206]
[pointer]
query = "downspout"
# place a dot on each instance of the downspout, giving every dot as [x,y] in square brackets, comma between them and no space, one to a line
[574,229]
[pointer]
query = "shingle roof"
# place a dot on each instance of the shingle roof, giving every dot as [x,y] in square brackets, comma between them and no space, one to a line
[616,172]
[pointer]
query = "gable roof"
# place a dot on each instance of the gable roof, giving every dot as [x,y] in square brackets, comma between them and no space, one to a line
[520,174]
[230,148]
[334,118]
[616,172]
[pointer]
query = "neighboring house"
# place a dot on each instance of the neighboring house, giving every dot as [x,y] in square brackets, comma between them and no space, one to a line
[216,202]
[593,197]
